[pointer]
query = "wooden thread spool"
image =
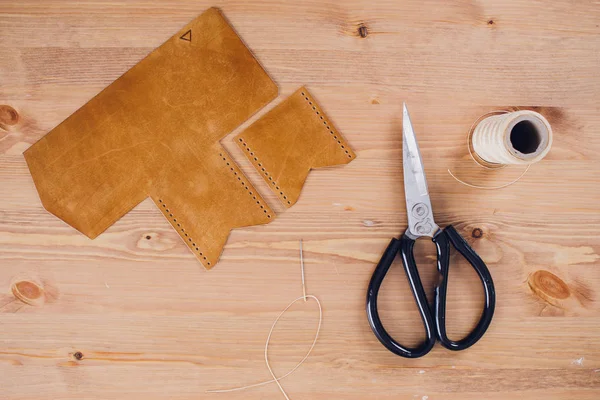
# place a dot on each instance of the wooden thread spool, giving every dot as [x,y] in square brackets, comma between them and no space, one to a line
[520,137]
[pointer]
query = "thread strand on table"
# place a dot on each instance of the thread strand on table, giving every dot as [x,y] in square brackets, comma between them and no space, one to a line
[312,346]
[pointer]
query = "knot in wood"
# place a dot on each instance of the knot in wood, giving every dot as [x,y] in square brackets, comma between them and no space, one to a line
[8,115]
[477,233]
[28,292]
[363,31]
[548,287]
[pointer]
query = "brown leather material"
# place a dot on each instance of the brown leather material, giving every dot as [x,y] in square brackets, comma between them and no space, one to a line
[154,132]
[290,140]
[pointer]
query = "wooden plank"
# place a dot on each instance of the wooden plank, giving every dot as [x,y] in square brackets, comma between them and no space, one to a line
[151,323]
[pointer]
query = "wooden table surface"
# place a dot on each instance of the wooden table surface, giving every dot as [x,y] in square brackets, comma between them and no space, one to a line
[133,314]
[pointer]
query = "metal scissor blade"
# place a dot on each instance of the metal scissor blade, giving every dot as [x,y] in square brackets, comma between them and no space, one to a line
[418,204]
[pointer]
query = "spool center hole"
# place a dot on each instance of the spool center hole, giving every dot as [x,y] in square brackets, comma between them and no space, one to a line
[525,137]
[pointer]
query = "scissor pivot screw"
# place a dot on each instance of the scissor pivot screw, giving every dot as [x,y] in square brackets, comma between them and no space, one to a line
[420,210]
[423,228]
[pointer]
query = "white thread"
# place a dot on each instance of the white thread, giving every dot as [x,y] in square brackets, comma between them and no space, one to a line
[312,346]
[470,133]
[503,127]
[275,379]
[488,187]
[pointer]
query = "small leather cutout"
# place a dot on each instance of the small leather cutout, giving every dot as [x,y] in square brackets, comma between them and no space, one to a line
[290,140]
[155,132]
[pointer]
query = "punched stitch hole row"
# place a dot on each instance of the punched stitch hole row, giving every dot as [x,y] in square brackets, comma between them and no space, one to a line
[194,246]
[327,125]
[264,171]
[245,185]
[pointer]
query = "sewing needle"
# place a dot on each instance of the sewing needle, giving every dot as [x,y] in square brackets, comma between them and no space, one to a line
[302,268]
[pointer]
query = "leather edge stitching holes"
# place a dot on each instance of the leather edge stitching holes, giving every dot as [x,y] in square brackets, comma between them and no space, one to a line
[264,172]
[246,185]
[335,136]
[181,231]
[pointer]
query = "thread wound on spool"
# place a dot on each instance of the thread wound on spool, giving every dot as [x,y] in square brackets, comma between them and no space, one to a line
[521,137]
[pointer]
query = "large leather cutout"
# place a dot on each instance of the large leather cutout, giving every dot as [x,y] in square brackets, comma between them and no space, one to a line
[154,132]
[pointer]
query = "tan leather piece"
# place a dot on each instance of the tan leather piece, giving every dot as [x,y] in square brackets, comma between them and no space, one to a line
[290,140]
[154,132]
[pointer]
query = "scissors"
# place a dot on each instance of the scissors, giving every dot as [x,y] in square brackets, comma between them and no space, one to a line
[420,224]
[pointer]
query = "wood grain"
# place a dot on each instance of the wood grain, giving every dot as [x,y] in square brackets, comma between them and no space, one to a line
[150,323]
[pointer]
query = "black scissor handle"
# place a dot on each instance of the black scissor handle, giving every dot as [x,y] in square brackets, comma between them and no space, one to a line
[442,241]
[405,247]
